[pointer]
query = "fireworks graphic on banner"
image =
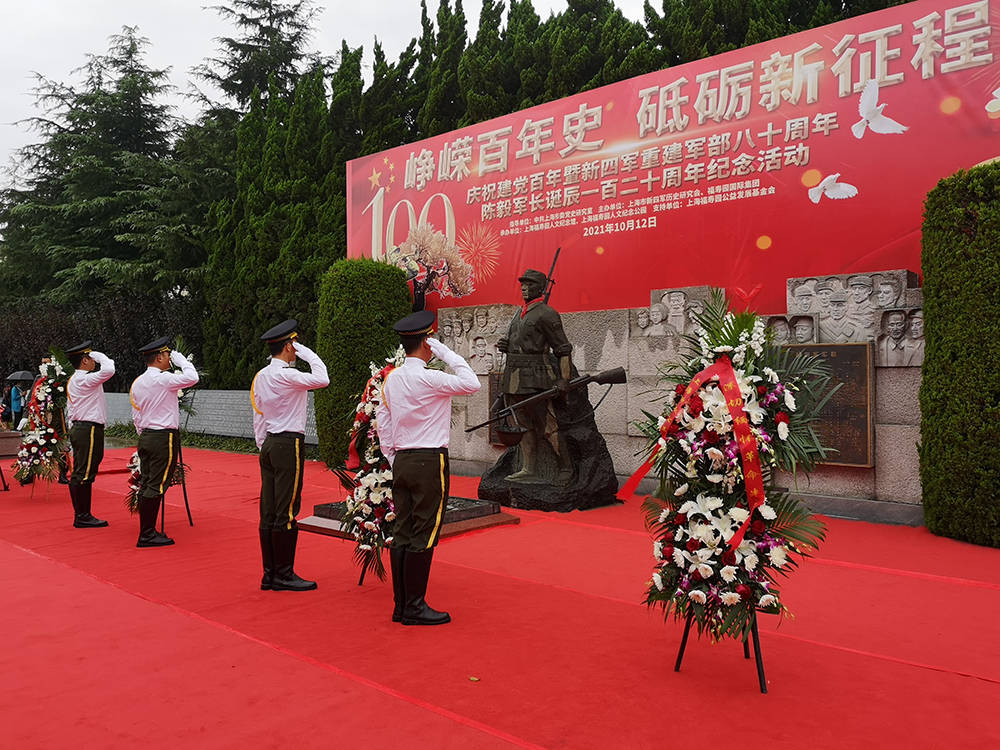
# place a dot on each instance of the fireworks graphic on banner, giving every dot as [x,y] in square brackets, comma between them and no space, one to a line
[480,246]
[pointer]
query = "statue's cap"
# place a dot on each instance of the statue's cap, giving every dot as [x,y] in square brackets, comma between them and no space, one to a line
[536,277]
[860,281]
[415,324]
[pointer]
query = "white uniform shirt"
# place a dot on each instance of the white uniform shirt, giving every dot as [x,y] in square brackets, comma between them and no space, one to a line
[154,395]
[279,394]
[415,409]
[85,393]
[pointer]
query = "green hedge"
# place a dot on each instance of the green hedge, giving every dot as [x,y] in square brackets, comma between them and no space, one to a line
[359,300]
[960,391]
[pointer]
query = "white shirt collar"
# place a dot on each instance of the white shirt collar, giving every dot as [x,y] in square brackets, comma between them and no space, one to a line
[414,362]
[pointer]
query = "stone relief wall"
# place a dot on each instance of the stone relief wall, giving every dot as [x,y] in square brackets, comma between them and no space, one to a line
[884,307]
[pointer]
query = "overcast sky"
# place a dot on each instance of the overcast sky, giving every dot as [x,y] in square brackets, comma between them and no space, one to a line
[53,37]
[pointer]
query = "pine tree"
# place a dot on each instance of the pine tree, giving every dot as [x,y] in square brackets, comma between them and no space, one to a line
[104,149]
[482,71]
[382,118]
[445,105]
[269,55]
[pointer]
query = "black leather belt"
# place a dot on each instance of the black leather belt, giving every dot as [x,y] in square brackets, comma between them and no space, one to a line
[433,451]
[298,435]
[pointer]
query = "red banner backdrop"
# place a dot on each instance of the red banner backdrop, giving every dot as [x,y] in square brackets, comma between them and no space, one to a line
[810,154]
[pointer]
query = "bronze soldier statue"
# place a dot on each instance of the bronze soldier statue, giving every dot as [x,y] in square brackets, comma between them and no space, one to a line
[538,358]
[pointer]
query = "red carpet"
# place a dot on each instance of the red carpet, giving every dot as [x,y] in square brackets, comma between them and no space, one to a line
[894,643]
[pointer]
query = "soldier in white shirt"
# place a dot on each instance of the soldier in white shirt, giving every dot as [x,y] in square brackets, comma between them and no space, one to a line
[156,414]
[279,396]
[87,410]
[413,419]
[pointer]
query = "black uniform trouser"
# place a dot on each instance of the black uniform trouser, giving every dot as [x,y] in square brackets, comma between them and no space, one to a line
[157,460]
[87,439]
[282,459]
[420,482]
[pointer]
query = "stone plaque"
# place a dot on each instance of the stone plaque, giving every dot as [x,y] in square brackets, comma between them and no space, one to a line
[847,421]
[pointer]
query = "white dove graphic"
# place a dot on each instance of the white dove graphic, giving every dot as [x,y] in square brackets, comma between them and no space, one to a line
[832,189]
[871,114]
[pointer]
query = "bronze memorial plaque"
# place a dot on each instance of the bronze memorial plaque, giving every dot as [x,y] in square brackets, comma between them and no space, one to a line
[847,422]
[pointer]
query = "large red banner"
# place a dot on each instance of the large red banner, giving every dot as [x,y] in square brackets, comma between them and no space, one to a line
[807,155]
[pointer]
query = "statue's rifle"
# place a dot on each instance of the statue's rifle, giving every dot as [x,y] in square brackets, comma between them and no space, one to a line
[550,280]
[607,377]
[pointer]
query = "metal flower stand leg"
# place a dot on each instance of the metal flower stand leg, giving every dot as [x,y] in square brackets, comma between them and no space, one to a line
[184,489]
[754,633]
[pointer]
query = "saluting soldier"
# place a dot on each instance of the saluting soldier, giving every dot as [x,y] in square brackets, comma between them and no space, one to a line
[413,420]
[156,414]
[88,411]
[279,395]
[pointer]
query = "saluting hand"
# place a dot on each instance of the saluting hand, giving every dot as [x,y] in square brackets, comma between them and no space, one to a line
[438,349]
[177,359]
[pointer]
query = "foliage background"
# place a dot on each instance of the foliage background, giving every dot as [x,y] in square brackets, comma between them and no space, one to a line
[960,391]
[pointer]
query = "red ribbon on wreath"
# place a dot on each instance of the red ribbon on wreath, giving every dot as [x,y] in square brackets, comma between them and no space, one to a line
[753,477]
[353,458]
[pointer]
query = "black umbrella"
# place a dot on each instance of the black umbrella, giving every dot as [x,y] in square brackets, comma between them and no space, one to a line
[21,375]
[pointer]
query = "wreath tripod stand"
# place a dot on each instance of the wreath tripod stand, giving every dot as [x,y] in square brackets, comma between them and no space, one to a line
[746,648]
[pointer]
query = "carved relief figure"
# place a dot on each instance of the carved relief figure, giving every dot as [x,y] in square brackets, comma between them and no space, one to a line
[860,307]
[915,345]
[656,314]
[803,295]
[892,345]
[675,303]
[837,327]
[780,330]
[887,294]
[804,329]
[641,321]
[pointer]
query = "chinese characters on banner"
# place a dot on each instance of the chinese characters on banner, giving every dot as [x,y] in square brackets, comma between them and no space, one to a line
[717,172]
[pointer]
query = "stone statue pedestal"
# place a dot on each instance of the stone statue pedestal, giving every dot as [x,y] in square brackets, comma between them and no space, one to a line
[592,484]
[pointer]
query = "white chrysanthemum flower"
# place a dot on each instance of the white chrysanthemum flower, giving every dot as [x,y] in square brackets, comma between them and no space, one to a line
[660,421]
[702,505]
[678,557]
[658,581]
[722,349]
[715,456]
[679,535]
[750,562]
[715,478]
[728,574]
[730,598]
[658,550]
[390,516]
[364,547]
[698,597]
[370,525]
[767,601]
[706,570]
[783,430]
[739,515]
[681,490]
[789,400]
[767,512]
[778,556]
[664,515]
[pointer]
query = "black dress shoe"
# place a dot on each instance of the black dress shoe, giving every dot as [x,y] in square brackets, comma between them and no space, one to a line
[87,521]
[153,539]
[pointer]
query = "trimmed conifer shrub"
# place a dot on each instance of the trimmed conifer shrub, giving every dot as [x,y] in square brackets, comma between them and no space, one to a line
[960,391]
[359,301]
